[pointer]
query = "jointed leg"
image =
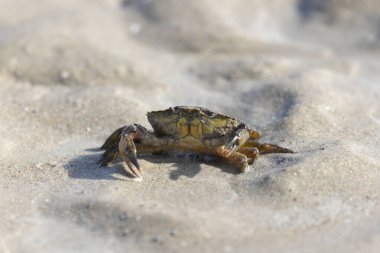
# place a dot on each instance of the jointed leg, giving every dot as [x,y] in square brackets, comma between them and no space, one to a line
[111,147]
[113,140]
[141,148]
[109,156]
[267,148]
[239,159]
[251,153]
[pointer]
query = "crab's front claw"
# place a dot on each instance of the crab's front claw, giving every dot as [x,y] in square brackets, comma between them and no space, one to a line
[131,154]
[127,149]
[242,132]
[232,146]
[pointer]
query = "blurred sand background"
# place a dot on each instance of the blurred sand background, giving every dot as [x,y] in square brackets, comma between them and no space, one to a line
[306,73]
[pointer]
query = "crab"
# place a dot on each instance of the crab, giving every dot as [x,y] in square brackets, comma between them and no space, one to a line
[182,129]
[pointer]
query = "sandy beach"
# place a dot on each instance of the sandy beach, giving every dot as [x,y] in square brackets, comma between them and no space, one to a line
[305,73]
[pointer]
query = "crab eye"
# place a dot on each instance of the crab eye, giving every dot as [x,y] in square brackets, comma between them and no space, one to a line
[241,126]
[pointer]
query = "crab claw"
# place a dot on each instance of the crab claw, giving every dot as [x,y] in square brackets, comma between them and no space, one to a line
[241,132]
[127,149]
[233,145]
[133,159]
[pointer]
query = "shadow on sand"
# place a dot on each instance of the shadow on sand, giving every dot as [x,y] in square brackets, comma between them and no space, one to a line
[88,167]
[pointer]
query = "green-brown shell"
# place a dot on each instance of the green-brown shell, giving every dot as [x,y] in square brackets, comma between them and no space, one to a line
[182,121]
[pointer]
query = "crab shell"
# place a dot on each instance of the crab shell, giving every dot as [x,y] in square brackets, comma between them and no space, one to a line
[196,124]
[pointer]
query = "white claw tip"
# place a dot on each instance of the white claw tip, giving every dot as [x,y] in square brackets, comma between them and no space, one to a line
[137,179]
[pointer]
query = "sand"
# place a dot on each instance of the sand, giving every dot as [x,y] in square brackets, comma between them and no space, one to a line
[305,73]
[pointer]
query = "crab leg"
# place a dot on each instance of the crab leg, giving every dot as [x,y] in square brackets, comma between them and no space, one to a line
[251,153]
[267,148]
[109,156]
[237,158]
[113,140]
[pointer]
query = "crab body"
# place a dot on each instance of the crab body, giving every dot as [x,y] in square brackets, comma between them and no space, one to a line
[194,128]
[188,129]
